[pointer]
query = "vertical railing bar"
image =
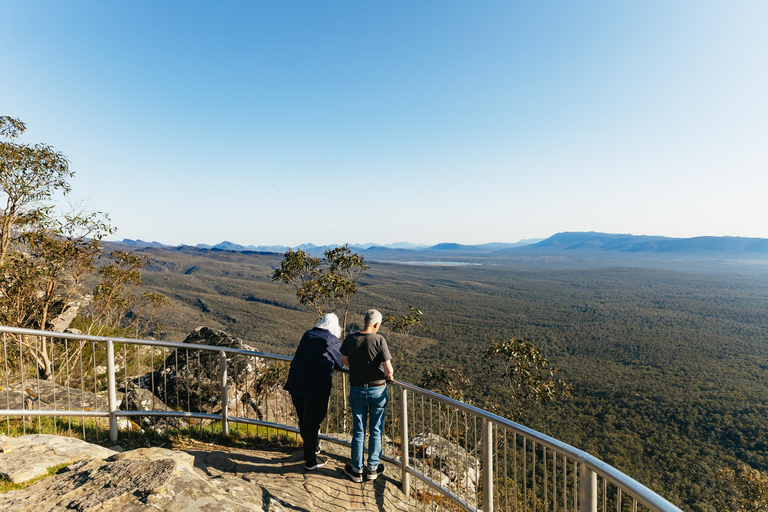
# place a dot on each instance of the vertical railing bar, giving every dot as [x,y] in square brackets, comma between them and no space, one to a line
[95,387]
[7,390]
[458,460]
[422,432]
[224,393]
[69,397]
[199,398]
[53,374]
[514,468]
[404,455]
[618,499]
[431,416]
[165,378]
[152,380]
[575,487]
[494,439]
[533,474]
[111,394]
[176,380]
[554,480]
[565,484]
[23,388]
[125,363]
[587,489]
[82,388]
[634,505]
[546,480]
[506,471]
[605,495]
[487,465]
[247,405]
[466,454]
[37,371]
[525,473]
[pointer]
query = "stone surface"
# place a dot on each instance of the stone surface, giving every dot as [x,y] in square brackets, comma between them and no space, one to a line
[208,479]
[32,455]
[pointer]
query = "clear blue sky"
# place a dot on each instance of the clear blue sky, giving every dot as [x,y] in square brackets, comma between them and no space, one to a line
[283,122]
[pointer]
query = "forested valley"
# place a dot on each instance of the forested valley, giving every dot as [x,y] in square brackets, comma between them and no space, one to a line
[669,366]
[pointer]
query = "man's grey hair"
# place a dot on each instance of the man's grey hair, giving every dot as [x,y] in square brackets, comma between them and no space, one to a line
[330,322]
[372,317]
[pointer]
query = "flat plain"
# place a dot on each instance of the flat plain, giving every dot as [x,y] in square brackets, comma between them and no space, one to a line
[668,358]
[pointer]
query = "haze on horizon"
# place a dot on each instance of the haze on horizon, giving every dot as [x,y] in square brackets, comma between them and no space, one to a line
[267,123]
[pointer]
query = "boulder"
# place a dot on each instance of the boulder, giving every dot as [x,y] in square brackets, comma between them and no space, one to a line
[457,470]
[189,379]
[34,393]
[136,398]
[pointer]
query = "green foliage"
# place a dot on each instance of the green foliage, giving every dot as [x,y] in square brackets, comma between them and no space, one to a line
[29,175]
[322,284]
[404,326]
[448,381]
[744,490]
[116,296]
[532,380]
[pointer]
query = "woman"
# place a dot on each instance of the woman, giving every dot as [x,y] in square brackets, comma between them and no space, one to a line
[309,382]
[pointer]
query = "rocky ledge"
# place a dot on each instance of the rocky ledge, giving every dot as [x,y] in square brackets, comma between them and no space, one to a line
[203,479]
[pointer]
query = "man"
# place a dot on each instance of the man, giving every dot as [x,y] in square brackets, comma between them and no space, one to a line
[370,367]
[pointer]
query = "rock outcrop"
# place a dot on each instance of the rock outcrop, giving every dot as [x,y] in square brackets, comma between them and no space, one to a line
[445,462]
[34,393]
[152,479]
[32,455]
[190,379]
[136,398]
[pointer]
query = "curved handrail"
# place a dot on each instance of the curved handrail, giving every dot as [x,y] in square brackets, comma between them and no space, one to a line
[638,491]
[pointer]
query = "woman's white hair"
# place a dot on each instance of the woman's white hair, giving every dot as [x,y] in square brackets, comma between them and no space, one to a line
[330,322]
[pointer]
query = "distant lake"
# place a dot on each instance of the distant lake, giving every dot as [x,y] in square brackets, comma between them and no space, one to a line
[434,263]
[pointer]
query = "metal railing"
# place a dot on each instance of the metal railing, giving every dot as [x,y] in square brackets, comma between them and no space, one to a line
[450,455]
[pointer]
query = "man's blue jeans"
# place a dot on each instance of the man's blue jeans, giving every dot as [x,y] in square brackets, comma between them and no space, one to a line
[367,402]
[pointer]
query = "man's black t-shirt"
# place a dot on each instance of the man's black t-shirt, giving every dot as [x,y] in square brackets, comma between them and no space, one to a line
[366,353]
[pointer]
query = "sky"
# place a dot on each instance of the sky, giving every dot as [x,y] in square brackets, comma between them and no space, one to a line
[288,122]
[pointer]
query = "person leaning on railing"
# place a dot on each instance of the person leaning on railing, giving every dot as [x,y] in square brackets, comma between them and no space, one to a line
[370,366]
[310,379]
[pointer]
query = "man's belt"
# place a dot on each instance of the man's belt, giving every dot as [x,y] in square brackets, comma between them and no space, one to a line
[372,384]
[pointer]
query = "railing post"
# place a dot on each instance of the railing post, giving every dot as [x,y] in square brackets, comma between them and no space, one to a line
[111,392]
[487,465]
[224,393]
[404,442]
[587,489]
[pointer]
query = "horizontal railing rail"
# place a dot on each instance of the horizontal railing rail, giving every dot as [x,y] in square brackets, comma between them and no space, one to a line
[462,457]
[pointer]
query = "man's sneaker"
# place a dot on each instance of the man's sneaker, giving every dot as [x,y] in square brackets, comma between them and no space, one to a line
[317,450]
[319,462]
[373,475]
[355,476]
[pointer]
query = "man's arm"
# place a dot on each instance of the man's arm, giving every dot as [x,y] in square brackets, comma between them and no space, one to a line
[345,361]
[388,370]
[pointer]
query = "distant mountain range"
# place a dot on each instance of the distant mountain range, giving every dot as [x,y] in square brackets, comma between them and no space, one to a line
[568,243]
[320,249]
[604,242]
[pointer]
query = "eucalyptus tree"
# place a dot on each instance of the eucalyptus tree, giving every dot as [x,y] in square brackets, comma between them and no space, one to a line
[29,176]
[324,284]
[531,379]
